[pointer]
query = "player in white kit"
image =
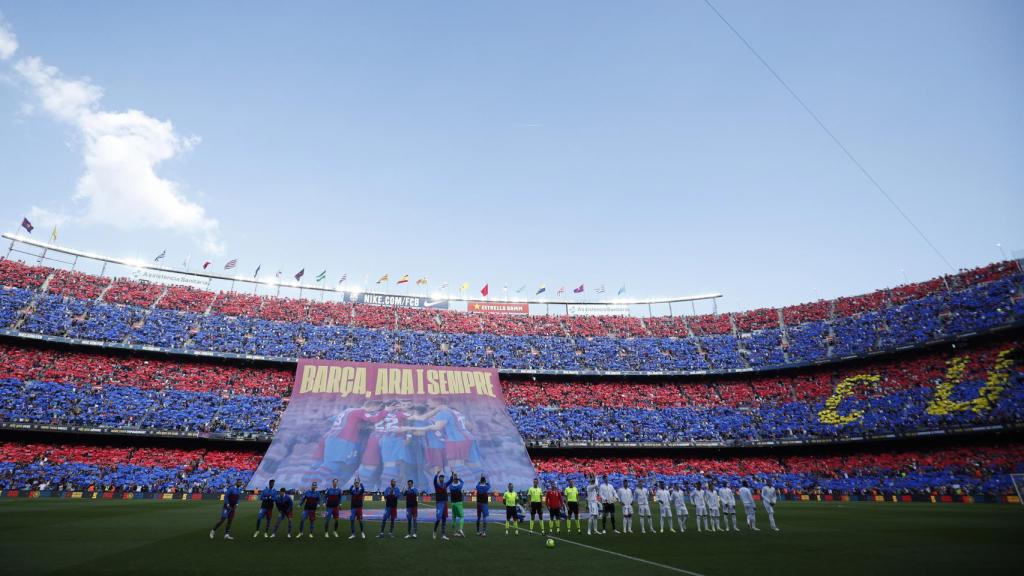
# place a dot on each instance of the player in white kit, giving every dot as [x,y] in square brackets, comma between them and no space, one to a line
[712,503]
[679,501]
[701,510]
[749,506]
[643,503]
[625,495]
[728,498]
[608,497]
[664,500]
[593,507]
[769,495]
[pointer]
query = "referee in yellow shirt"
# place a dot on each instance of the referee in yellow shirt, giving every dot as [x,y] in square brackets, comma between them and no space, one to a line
[536,497]
[572,501]
[510,498]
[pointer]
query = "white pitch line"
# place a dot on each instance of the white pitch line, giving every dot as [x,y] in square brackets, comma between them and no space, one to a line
[620,555]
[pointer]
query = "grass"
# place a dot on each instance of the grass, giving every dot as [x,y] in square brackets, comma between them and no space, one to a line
[57,536]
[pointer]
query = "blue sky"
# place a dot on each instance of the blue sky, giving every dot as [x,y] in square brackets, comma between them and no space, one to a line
[523,143]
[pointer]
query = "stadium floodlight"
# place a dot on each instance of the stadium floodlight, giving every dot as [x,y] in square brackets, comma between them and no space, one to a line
[1018,485]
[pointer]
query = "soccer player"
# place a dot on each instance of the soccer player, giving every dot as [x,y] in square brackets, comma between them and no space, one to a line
[712,503]
[749,506]
[284,510]
[483,510]
[606,492]
[310,502]
[769,495]
[441,497]
[536,498]
[701,508]
[553,499]
[664,500]
[412,504]
[391,494]
[455,485]
[231,497]
[332,501]
[510,498]
[572,501]
[625,496]
[266,509]
[725,494]
[679,501]
[356,492]
[593,507]
[643,502]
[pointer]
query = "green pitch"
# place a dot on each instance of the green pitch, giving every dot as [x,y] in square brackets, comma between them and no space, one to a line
[51,536]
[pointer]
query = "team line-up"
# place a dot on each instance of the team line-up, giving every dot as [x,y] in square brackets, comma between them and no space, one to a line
[714,507]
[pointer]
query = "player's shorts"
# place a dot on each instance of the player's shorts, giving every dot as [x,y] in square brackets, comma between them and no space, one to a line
[284,513]
[311,514]
[574,509]
[555,513]
[457,510]
[728,508]
[510,512]
[593,508]
[714,512]
[770,508]
[749,507]
[228,513]
[627,509]
[393,449]
[457,449]
[645,510]
[332,512]
[702,511]
[483,510]
[608,508]
[665,511]
[536,508]
[412,512]
[682,511]
[442,509]
[339,450]
[390,512]
[356,512]
[264,513]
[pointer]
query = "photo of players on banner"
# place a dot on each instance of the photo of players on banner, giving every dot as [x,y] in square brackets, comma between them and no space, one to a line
[714,508]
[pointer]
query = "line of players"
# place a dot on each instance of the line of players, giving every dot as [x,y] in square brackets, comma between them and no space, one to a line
[714,507]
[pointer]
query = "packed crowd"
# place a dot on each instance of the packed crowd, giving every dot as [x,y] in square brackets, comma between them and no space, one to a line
[78,305]
[972,470]
[972,385]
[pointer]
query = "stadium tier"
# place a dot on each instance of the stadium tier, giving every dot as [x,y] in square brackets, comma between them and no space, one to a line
[60,303]
[972,470]
[976,384]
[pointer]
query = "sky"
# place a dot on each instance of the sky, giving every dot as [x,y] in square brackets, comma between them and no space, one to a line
[550,142]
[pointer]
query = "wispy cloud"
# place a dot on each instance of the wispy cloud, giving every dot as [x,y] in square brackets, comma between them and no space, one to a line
[120,152]
[8,41]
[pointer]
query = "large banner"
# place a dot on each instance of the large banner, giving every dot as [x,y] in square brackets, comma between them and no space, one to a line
[394,300]
[498,307]
[382,421]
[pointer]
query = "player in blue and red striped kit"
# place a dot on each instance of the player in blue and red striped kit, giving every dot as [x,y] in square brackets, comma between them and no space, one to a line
[483,509]
[412,503]
[284,510]
[391,494]
[310,502]
[441,497]
[357,491]
[332,500]
[231,497]
[266,509]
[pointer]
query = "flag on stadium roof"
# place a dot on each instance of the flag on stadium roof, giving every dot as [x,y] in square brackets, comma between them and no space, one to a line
[442,286]
[320,277]
[382,279]
[258,266]
[403,280]
[300,274]
[521,288]
[578,289]
[53,235]
[278,275]
[561,290]
[464,287]
[188,259]
[600,289]
[27,225]
[422,281]
[231,264]
[542,289]
[160,256]
[343,278]
[622,290]
[205,264]
[485,290]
